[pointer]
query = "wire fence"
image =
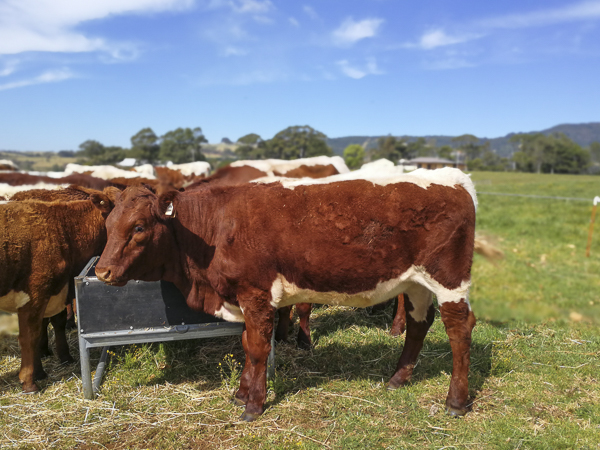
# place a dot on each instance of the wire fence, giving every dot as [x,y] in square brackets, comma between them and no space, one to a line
[577,199]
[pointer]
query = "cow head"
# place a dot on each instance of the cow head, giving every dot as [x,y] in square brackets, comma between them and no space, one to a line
[140,239]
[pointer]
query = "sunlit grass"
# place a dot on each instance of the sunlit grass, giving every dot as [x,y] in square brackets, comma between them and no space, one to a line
[533,380]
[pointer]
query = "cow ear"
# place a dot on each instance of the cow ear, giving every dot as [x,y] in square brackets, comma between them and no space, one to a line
[166,204]
[103,203]
[112,193]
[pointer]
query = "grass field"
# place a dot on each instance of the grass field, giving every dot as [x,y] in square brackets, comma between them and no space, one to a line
[533,380]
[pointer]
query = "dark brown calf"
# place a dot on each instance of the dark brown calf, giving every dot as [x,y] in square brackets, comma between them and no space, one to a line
[44,246]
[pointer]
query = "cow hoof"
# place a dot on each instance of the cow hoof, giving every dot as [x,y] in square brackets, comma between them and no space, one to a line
[455,412]
[249,417]
[31,389]
[67,360]
[302,345]
[238,402]
[391,387]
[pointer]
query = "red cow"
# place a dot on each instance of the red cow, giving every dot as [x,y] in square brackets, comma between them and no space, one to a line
[241,252]
[44,245]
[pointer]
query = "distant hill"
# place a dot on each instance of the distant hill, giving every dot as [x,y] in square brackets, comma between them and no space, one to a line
[583,134]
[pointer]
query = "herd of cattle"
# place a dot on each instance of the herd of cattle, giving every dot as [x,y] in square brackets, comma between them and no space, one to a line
[245,243]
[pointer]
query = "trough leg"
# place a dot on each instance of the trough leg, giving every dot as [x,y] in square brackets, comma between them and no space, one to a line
[459,322]
[30,329]
[256,339]
[86,372]
[421,314]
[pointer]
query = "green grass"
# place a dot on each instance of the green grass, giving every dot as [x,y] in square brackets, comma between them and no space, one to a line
[533,380]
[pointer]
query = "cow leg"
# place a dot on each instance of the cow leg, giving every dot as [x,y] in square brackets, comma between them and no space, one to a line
[256,339]
[30,328]
[418,303]
[304,310]
[59,323]
[44,349]
[459,322]
[283,323]
[399,323]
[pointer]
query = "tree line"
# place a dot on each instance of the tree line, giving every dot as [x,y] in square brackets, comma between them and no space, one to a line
[532,152]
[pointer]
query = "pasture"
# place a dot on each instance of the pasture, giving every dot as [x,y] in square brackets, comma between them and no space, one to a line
[534,361]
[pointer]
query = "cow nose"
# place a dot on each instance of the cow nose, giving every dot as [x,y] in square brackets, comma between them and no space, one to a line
[103,274]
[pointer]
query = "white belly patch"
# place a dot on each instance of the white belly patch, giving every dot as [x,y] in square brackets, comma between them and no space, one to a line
[15,300]
[56,303]
[285,293]
[230,313]
[12,301]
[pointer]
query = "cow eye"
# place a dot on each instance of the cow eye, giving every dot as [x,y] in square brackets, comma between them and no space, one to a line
[139,229]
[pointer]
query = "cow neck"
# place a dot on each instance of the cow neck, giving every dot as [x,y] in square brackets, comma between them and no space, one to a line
[193,236]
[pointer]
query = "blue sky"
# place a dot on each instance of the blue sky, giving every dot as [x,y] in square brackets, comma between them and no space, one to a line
[73,70]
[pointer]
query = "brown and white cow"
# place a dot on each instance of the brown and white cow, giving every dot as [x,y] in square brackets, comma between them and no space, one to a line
[241,252]
[44,245]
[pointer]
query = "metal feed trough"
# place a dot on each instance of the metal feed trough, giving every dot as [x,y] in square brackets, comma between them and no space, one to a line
[136,313]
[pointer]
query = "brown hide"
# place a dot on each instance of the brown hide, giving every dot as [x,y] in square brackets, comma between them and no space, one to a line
[228,176]
[229,244]
[317,171]
[44,245]
[51,195]
[79,179]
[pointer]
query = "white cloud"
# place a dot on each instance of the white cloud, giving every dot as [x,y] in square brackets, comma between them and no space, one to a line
[9,68]
[370,68]
[582,11]
[309,10]
[51,76]
[350,31]
[49,25]
[439,38]
[252,6]
[243,6]
[294,22]
[234,51]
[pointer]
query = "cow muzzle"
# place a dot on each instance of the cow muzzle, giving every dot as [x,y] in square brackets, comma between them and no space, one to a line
[107,276]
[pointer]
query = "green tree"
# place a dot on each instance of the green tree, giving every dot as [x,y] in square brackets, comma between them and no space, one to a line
[250,139]
[297,142]
[144,146]
[595,151]
[549,154]
[469,144]
[94,153]
[445,152]
[90,151]
[354,156]
[391,148]
[182,145]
